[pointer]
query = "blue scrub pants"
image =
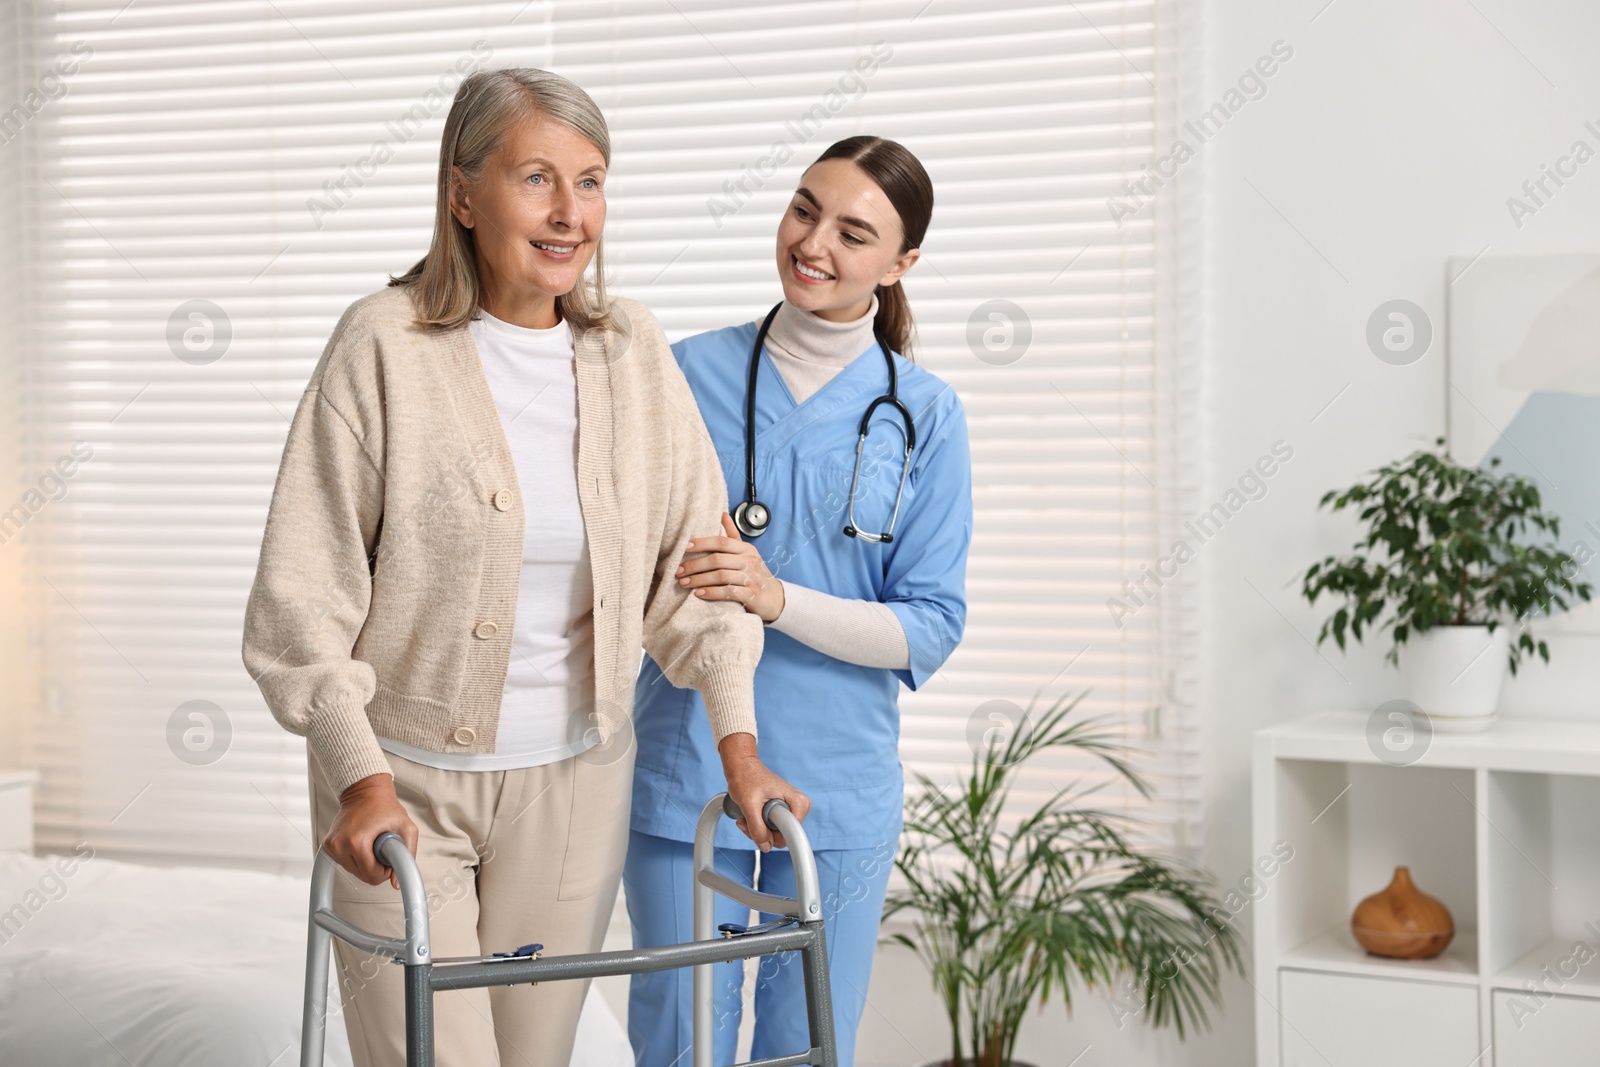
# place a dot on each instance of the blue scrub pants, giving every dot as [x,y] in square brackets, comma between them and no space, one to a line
[657,880]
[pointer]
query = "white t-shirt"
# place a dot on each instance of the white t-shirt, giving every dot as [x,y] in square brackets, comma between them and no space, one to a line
[549,692]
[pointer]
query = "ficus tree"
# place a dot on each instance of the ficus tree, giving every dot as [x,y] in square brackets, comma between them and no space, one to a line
[1445,545]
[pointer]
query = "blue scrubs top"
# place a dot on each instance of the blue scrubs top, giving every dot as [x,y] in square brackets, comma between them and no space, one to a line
[829,727]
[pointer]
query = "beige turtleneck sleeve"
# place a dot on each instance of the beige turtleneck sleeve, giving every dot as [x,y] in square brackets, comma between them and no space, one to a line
[808,351]
[864,632]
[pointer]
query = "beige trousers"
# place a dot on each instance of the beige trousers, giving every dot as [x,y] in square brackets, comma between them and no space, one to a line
[508,858]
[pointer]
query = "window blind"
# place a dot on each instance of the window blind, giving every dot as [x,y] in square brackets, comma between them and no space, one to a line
[1029,117]
[20,695]
[208,199]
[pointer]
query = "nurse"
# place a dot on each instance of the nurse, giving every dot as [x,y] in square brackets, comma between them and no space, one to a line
[850,616]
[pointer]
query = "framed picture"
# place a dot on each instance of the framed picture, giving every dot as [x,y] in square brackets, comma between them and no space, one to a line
[1523,385]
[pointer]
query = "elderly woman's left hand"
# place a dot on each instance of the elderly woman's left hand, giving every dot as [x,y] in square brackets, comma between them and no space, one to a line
[729,568]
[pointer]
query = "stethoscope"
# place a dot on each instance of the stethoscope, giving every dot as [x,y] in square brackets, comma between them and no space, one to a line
[753,517]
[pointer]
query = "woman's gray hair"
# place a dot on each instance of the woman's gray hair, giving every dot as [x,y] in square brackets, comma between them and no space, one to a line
[445,288]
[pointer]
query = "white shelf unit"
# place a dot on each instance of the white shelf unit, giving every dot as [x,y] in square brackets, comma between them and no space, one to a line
[1503,827]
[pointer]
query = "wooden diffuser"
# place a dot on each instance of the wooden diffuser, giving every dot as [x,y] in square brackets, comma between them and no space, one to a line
[1402,922]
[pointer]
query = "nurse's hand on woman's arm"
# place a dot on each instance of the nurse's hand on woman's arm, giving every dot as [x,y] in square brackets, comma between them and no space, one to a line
[367,809]
[730,568]
[751,785]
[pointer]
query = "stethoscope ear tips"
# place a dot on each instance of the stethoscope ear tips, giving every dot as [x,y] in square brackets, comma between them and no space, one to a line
[752,518]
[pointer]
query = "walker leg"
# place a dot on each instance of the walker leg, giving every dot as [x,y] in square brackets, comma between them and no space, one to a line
[419,1015]
[819,997]
[703,997]
[319,944]
[313,1017]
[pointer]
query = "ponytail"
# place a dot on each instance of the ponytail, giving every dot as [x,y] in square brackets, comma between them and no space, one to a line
[893,321]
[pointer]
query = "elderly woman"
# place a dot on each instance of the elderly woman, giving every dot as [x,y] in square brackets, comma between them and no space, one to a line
[486,489]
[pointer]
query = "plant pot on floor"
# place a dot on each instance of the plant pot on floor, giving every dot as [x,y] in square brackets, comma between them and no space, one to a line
[1455,673]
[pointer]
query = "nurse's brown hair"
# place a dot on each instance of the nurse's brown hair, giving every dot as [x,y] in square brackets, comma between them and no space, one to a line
[901,177]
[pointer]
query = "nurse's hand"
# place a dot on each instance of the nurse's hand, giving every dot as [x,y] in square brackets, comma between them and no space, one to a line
[730,568]
[751,785]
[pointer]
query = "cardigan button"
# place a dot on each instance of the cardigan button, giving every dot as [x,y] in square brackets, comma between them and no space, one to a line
[465,735]
[486,630]
[502,500]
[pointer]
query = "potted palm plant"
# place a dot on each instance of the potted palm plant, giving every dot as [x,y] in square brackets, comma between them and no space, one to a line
[1452,557]
[1007,911]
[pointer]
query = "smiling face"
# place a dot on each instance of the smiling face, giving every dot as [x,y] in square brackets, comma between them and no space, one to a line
[839,240]
[536,216]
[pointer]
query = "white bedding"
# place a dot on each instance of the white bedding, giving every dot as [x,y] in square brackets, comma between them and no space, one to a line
[117,964]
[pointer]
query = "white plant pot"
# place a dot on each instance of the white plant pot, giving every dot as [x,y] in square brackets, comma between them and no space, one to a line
[1454,673]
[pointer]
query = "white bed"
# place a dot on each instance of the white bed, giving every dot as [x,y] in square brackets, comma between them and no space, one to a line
[117,964]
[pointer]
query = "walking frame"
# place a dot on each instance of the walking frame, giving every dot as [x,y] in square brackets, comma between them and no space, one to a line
[800,928]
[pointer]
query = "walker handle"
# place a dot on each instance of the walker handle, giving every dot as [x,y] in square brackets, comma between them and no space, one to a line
[413,950]
[390,850]
[380,845]
[731,809]
[805,905]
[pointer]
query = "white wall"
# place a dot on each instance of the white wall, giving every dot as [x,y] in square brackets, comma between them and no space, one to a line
[1390,142]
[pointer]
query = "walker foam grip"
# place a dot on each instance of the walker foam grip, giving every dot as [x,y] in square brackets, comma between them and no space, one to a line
[377,844]
[734,812]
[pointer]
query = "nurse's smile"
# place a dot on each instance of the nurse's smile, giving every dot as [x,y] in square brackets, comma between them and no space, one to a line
[809,274]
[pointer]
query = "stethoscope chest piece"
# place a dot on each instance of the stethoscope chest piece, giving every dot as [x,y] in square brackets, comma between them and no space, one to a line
[752,518]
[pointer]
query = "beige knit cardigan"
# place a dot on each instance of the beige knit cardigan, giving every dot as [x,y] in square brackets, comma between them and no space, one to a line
[386,590]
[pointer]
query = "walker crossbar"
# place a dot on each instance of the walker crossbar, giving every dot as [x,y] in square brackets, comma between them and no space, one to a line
[424,977]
